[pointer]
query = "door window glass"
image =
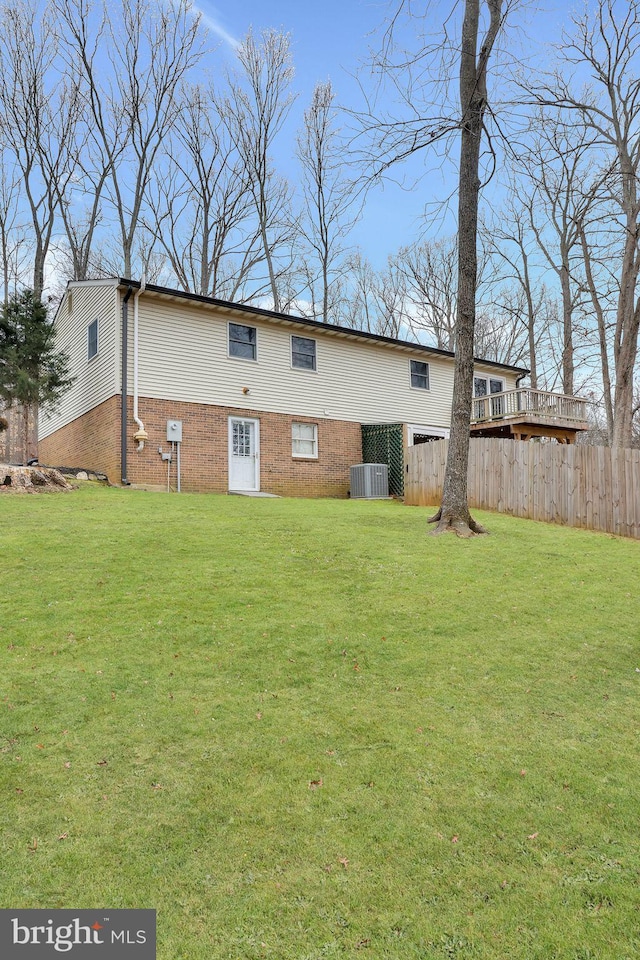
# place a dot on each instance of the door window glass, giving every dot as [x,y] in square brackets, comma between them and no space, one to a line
[241,439]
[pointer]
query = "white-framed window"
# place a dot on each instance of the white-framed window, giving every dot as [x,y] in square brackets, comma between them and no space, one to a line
[423,434]
[483,386]
[303,353]
[419,374]
[486,387]
[92,340]
[304,440]
[243,341]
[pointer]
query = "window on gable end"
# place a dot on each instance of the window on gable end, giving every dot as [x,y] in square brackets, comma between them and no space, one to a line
[92,340]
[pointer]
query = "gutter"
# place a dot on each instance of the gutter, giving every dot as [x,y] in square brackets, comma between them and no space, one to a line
[247,309]
[141,434]
[123,399]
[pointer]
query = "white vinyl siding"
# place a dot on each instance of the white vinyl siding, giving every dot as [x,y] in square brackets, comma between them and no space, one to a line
[96,379]
[183,350]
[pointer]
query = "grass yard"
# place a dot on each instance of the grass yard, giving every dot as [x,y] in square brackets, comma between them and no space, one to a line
[302,729]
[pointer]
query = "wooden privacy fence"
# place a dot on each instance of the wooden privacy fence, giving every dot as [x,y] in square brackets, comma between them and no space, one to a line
[593,487]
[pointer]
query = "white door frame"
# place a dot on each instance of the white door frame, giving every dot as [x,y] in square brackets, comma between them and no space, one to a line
[252,482]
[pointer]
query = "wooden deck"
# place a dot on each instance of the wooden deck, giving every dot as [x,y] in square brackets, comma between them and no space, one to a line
[525,413]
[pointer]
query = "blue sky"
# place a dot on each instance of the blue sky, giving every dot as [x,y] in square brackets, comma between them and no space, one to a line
[330,39]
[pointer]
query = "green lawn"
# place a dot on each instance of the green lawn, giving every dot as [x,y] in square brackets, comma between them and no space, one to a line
[303,729]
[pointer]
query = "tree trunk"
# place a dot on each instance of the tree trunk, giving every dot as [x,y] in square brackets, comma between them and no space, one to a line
[626,336]
[32,432]
[453,514]
[622,435]
[531,323]
[602,333]
[567,328]
[38,271]
[24,439]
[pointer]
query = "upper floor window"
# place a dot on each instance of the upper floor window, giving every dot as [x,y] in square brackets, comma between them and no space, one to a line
[419,374]
[303,353]
[488,386]
[485,385]
[92,339]
[243,341]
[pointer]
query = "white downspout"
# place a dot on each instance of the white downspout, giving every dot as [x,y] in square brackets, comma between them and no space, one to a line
[141,434]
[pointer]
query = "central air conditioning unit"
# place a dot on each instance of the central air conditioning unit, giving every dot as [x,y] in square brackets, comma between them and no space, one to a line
[369,481]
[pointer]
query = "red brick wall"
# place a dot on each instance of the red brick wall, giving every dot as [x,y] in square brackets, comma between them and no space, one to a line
[93,441]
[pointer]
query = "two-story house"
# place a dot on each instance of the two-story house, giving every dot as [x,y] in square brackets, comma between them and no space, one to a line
[242,398]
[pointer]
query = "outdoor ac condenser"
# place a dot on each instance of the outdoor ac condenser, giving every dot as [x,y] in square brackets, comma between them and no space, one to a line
[369,481]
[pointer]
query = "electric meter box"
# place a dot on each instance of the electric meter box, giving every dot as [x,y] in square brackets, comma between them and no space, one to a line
[174,431]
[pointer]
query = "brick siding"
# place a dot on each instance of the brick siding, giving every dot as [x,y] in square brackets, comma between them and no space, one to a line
[93,441]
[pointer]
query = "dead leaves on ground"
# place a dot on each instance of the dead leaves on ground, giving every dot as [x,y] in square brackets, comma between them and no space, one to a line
[343,861]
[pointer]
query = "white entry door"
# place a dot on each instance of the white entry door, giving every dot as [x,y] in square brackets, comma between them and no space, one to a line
[244,454]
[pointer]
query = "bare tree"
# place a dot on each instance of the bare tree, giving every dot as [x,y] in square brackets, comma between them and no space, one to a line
[328,199]
[258,105]
[606,44]
[422,81]
[598,301]
[390,299]
[36,125]
[203,214]
[510,324]
[79,203]
[430,272]
[359,310]
[13,242]
[510,238]
[375,299]
[555,186]
[131,94]
[474,58]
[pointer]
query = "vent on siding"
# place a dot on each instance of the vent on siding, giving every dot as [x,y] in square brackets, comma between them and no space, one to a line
[369,481]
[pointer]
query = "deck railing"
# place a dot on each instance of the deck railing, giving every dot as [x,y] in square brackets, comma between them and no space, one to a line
[526,401]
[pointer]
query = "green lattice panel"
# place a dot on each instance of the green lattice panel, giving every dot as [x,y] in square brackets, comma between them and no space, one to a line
[382,443]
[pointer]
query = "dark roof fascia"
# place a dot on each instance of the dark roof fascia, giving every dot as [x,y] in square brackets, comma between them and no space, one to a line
[314,324]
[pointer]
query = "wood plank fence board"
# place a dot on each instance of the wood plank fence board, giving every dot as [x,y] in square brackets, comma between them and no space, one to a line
[592,487]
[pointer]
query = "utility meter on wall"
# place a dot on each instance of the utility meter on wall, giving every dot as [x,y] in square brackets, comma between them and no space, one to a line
[174,431]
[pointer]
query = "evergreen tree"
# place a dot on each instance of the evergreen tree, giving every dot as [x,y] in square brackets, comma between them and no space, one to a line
[33,373]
